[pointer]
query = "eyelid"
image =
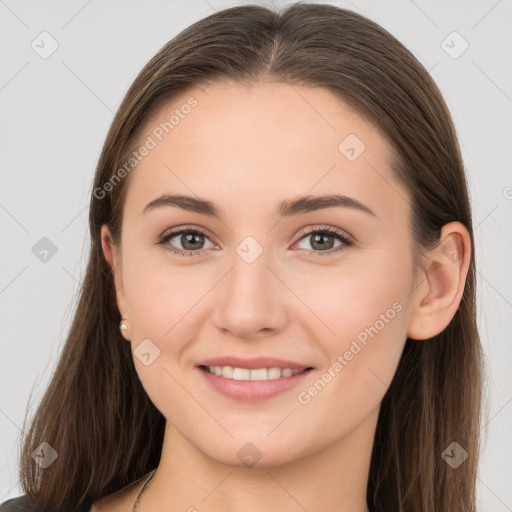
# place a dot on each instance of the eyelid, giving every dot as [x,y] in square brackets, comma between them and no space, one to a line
[325,228]
[185,227]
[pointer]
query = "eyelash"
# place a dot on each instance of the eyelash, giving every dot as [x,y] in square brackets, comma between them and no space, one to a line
[347,242]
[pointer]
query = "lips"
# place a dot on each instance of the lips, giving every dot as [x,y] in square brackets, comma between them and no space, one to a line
[252,364]
[250,390]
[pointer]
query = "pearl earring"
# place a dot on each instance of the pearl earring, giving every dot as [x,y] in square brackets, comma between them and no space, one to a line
[123,326]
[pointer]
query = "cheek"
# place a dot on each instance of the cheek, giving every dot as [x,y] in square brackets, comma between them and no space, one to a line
[159,294]
[163,303]
[369,325]
[360,322]
[363,332]
[354,297]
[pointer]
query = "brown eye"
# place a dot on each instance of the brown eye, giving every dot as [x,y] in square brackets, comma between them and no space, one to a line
[322,241]
[190,240]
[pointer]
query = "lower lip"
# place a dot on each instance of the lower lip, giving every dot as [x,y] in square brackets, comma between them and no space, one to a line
[251,390]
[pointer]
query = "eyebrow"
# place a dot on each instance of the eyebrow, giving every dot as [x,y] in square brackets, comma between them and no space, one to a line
[285,209]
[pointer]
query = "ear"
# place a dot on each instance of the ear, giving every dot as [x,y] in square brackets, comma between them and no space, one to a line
[441,284]
[114,261]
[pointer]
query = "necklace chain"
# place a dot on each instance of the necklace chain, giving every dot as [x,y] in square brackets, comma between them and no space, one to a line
[141,492]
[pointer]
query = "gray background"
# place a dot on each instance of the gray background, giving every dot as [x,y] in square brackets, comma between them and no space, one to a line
[55,115]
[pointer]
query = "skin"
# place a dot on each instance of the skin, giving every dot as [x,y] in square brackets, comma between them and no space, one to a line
[246,149]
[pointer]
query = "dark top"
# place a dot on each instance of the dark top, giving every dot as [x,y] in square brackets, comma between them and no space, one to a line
[22,504]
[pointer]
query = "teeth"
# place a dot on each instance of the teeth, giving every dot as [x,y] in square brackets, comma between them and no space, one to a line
[274,373]
[241,374]
[248,374]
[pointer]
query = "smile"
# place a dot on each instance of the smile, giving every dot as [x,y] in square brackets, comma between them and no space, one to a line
[254,384]
[236,373]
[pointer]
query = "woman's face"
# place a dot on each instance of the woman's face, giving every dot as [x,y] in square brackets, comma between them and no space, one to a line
[261,278]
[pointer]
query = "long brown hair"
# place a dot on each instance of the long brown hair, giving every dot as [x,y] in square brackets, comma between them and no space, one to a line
[95,412]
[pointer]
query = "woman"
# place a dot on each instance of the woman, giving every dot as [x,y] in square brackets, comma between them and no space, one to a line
[215,360]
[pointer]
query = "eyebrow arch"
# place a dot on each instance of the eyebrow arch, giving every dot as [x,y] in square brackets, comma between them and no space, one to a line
[285,209]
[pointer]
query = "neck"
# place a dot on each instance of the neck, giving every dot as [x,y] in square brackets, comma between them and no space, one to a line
[333,478]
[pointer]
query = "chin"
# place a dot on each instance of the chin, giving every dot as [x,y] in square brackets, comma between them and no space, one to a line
[252,451]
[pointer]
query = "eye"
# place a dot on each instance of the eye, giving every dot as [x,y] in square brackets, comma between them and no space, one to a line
[192,240]
[324,240]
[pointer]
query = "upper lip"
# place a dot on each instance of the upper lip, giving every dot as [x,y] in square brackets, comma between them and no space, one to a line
[252,364]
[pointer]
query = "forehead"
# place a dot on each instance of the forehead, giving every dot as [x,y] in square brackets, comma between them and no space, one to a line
[252,146]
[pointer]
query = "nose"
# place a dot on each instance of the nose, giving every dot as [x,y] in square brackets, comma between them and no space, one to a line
[251,301]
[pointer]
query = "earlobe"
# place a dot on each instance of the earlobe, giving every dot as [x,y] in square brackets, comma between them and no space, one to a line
[439,293]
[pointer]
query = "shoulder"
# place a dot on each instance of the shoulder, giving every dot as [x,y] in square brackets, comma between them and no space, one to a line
[120,501]
[23,504]
[19,504]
